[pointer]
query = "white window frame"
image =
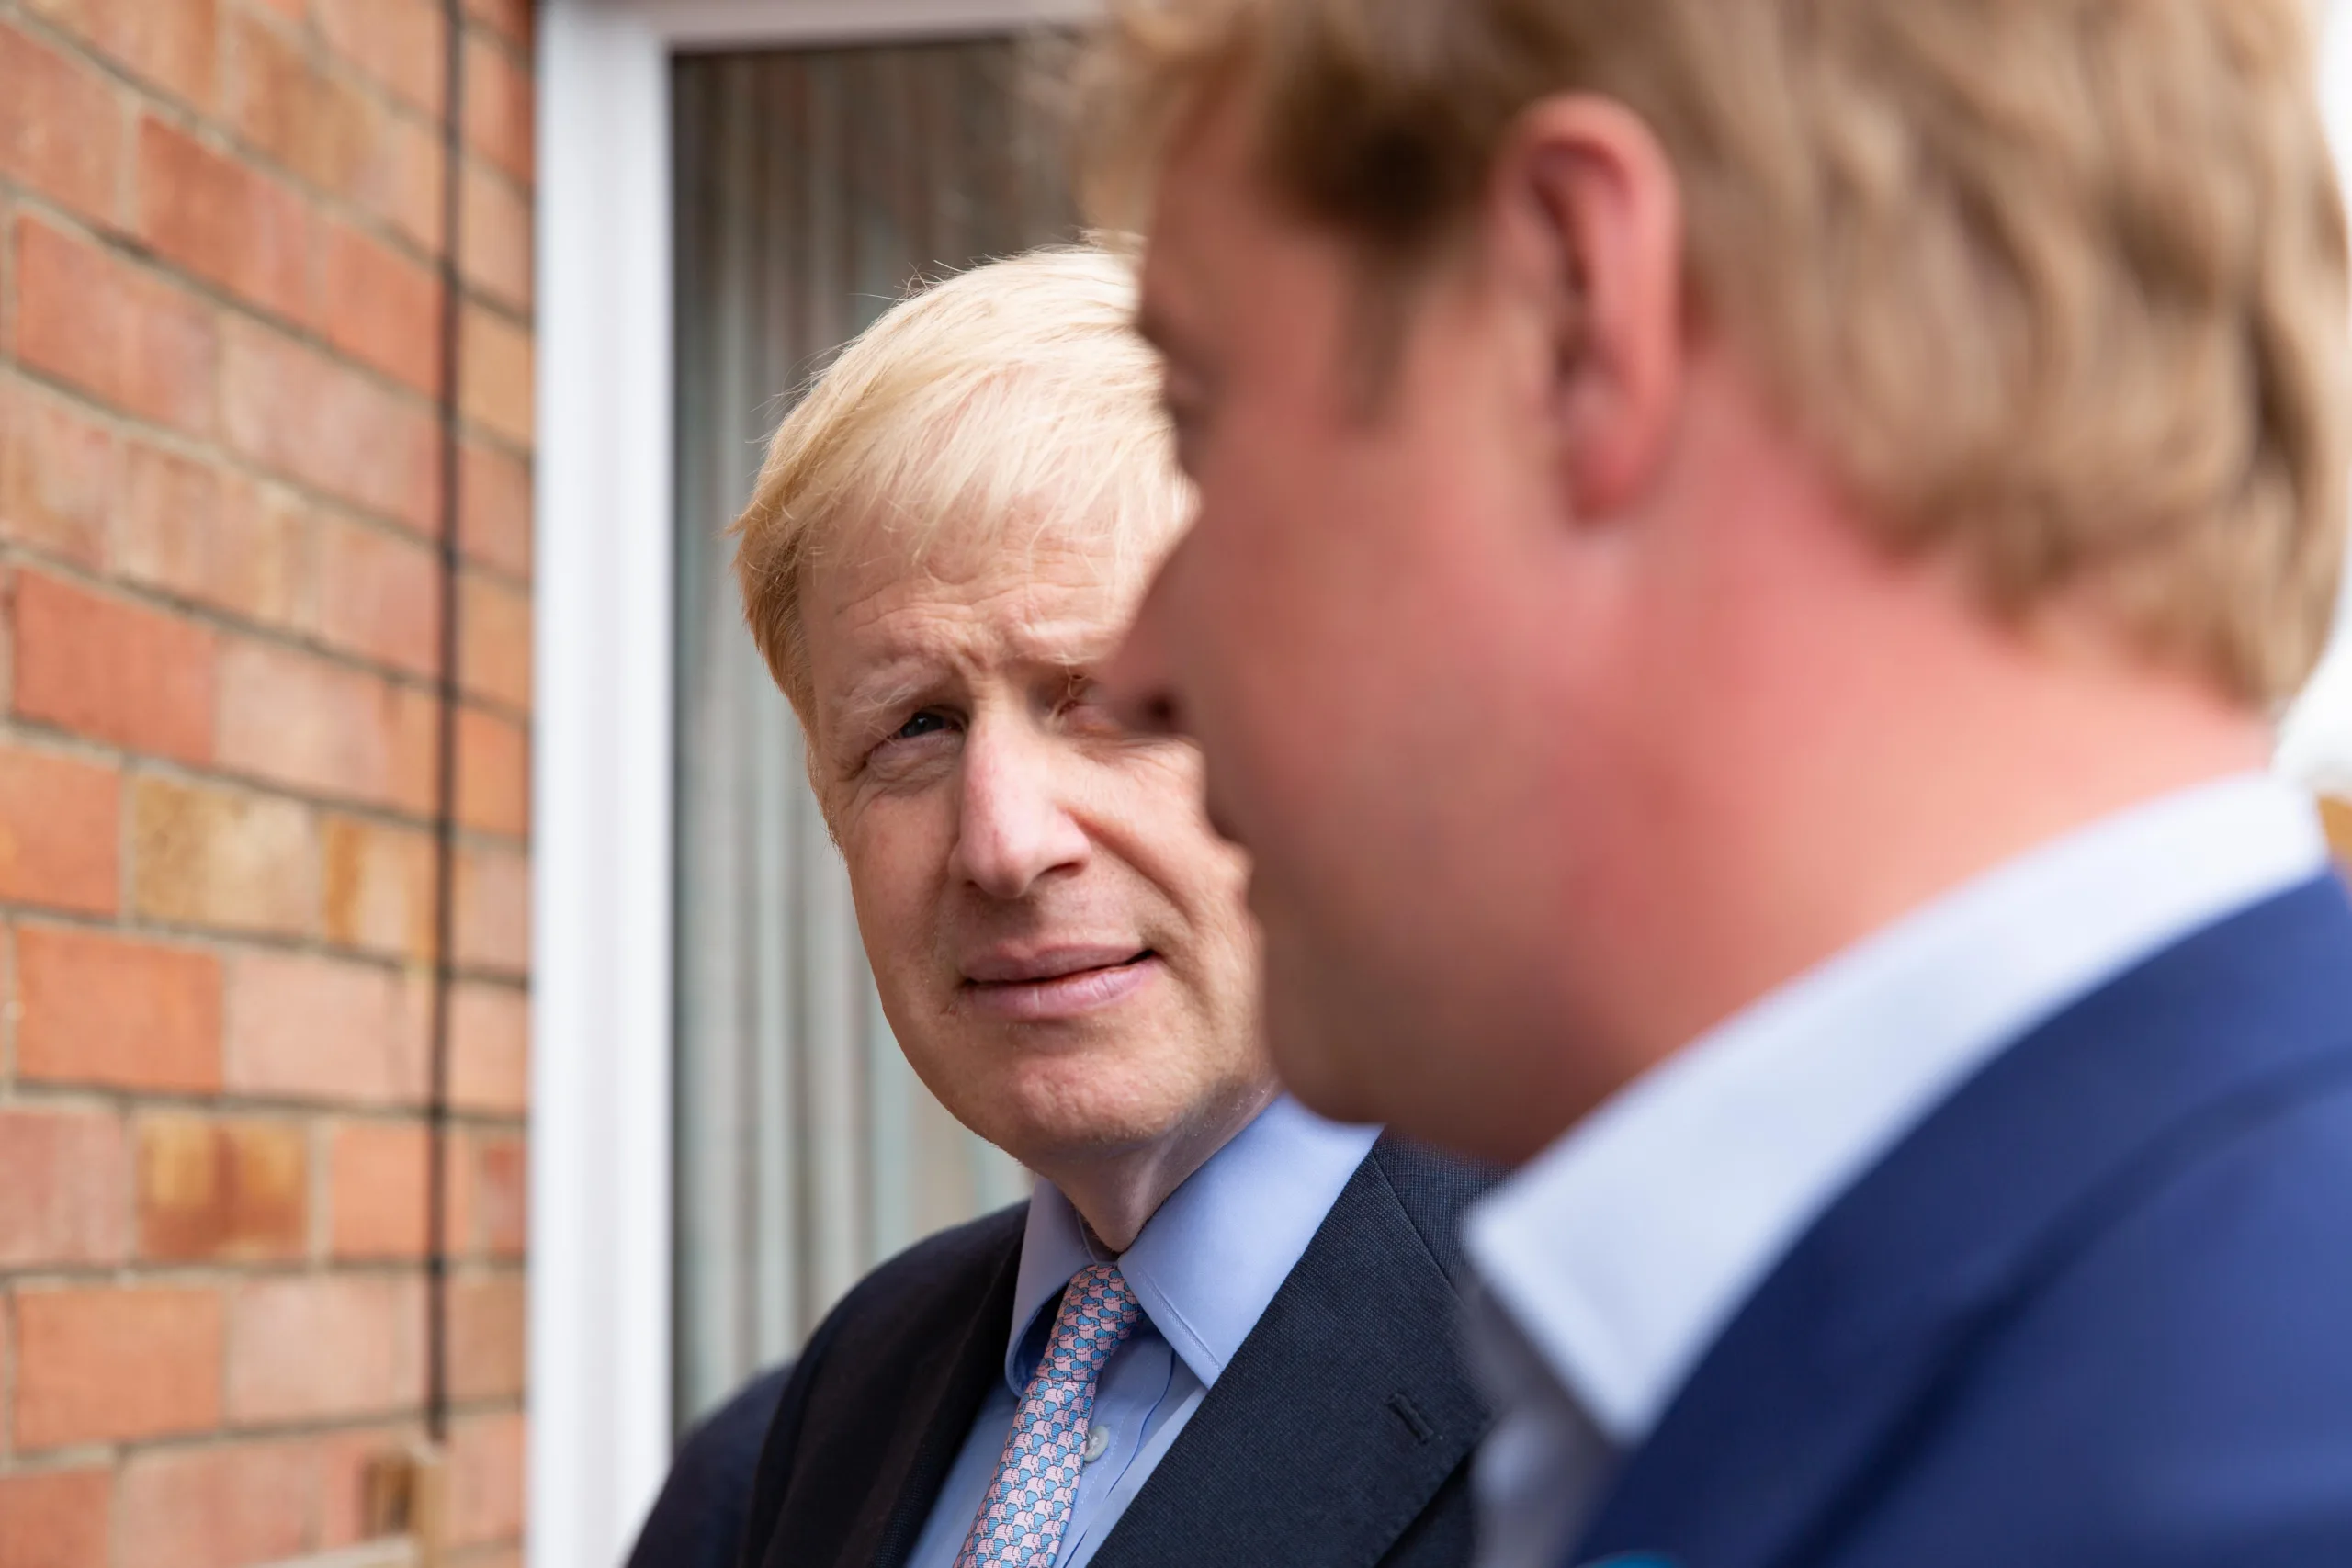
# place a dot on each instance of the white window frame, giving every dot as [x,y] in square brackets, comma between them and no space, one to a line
[599,1240]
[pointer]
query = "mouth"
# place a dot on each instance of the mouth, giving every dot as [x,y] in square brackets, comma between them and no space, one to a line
[1052,984]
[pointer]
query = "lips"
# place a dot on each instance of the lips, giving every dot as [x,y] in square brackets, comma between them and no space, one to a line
[1037,984]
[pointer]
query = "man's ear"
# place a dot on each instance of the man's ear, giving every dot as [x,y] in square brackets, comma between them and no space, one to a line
[1586,221]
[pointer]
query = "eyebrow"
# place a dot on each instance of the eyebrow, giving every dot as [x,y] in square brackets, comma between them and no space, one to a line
[895,682]
[883,691]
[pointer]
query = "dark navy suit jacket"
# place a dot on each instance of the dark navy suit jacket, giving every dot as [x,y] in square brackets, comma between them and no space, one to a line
[2094,1312]
[698,1522]
[1338,1437]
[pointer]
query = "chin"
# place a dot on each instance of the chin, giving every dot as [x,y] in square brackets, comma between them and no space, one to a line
[1064,1104]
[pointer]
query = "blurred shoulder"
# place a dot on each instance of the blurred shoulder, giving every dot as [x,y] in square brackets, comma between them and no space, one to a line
[942,1279]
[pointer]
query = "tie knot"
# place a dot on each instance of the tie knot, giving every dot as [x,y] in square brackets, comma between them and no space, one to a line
[1097,1311]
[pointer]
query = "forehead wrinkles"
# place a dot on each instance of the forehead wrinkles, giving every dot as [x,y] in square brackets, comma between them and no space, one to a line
[914,627]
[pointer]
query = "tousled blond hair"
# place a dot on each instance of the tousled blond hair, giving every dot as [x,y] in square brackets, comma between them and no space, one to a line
[1013,396]
[2056,286]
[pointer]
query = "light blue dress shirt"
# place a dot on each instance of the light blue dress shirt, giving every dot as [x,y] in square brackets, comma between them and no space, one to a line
[1204,1270]
[1609,1264]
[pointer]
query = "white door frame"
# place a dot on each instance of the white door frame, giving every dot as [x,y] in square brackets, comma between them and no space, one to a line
[600,1241]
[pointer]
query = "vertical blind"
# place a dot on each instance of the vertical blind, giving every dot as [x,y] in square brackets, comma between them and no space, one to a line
[813,187]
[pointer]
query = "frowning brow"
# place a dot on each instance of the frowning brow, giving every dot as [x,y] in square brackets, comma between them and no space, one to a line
[886,689]
[883,691]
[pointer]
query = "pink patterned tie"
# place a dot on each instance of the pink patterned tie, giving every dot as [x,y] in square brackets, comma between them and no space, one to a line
[1021,1522]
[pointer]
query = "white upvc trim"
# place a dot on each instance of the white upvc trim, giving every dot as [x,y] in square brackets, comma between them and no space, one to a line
[730,24]
[600,1183]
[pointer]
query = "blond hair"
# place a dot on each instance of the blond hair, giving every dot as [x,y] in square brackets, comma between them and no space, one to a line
[1013,395]
[2057,287]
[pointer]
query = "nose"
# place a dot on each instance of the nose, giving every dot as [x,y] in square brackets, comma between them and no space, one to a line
[1138,681]
[1015,828]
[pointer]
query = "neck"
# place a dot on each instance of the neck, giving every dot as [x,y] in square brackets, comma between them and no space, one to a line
[1841,739]
[1117,1192]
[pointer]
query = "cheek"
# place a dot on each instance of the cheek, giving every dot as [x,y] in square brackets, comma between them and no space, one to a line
[897,853]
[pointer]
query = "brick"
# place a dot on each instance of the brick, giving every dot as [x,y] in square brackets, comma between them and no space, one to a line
[486,1480]
[283,105]
[223,220]
[486,1337]
[298,413]
[381,307]
[221,1190]
[321,1347]
[56,477]
[294,719]
[498,107]
[494,237]
[510,18]
[501,1195]
[378,1181]
[379,596]
[461,1178]
[495,508]
[87,317]
[329,132]
[99,1010]
[406,193]
[345,1459]
[112,670]
[324,1028]
[378,888]
[217,1507]
[491,929]
[508,1556]
[399,43]
[493,773]
[61,126]
[170,45]
[223,858]
[67,1174]
[494,375]
[490,1039]
[56,1518]
[221,540]
[60,825]
[115,1363]
[495,641]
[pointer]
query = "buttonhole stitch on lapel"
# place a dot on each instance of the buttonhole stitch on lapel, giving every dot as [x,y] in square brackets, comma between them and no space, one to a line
[1410,1414]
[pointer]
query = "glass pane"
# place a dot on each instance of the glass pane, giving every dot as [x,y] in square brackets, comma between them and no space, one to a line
[813,187]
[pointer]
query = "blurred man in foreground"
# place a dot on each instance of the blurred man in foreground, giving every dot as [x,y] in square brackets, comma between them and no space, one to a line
[1745,554]
[1221,1331]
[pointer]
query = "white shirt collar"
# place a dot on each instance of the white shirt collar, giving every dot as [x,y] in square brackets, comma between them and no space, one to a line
[1207,1263]
[1623,1251]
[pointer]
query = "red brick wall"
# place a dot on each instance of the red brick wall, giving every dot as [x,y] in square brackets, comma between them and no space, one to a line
[221,224]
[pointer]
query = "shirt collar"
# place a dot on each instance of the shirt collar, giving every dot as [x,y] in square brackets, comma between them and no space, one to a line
[1624,1249]
[1209,1260]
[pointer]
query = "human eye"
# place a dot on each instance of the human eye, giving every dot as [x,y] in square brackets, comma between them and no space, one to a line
[912,744]
[927,722]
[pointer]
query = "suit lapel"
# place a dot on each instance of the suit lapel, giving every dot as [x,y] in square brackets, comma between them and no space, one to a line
[1814,1390]
[1336,1421]
[954,1380]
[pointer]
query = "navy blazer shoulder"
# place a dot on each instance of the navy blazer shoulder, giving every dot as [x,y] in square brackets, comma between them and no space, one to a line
[2096,1312]
[697,1521]
[1340,1435]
